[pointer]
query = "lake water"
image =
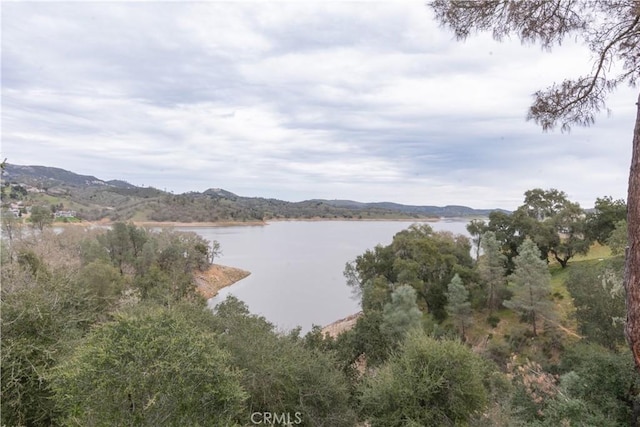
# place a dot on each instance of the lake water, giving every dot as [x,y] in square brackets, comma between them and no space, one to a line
[296,266]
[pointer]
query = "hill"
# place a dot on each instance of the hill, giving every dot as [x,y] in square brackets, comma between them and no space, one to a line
[116,200]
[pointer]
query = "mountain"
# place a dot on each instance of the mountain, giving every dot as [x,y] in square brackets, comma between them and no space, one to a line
[95,199]
[44,176]
[219,192]
[448,211]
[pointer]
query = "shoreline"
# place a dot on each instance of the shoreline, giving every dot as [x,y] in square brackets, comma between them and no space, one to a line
[341,325]
[319,219]
[104,223]
[216,278]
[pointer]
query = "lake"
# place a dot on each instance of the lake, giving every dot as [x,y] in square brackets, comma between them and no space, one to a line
[296,266]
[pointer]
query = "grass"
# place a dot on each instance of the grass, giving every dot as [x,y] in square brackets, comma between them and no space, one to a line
[559,275]
[596,252]
[510,321]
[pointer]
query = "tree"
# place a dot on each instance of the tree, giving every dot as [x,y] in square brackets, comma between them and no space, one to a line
[41,217]
[476,229]
[607,213]
[459,307]
[118,244]
[531,285]
[280,373]
[492,270]
[427,383]
[604,379]
[570,238]
[554,223]
[611,30]
[42,318]
[402,313]
[617,240]
[540,204]
[214,251]
[11,226]
[418,256]
[596,290]
[148,368]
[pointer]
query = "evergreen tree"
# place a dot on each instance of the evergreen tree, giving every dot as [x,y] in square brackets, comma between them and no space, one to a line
[402,313]
[531,284]
[492,269]
[459,306]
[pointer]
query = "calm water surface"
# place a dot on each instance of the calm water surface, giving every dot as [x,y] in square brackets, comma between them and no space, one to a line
[296,266]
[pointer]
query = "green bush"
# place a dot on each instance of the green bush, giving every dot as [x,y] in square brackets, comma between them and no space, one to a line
[493,320]
[149,368]
[427,383]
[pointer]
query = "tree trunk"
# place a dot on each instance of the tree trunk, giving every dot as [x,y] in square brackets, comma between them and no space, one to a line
[563,261]
[632,263]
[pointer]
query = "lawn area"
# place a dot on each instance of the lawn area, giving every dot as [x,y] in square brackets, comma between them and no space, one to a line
[561,296]
[597,251]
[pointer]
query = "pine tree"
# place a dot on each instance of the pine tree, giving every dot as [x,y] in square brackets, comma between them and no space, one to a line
[492,269]
[459,306]
[531,284]
[402,313]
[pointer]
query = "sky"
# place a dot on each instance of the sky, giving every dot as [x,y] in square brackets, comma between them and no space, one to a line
[367,101]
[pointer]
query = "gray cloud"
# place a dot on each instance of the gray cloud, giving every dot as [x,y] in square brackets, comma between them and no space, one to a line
[368,101]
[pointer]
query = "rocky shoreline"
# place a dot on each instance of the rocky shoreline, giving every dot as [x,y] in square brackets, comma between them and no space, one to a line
[210,282]
[339,326]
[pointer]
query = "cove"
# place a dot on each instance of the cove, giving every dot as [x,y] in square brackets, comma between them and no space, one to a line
[296,266]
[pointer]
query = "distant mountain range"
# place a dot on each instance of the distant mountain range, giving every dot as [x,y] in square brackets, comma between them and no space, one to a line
[94,199]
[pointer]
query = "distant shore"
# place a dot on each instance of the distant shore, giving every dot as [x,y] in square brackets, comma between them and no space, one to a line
[106,223]
[320,219]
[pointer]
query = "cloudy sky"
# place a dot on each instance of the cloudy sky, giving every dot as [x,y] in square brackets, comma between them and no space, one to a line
[336,100]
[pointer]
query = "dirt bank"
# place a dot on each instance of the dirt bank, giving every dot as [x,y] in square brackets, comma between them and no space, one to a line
[342,325]
[217,277]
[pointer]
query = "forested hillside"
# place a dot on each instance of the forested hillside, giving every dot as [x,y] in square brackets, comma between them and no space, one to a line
[93,199]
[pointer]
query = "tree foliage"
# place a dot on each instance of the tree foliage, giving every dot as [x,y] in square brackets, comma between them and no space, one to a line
[427,382]
[280,373]
[41,217]
[458,306]
[531,285]
[492,269]
[556,225]
[41,317]
[604,381]
[610,30]
[617,240]
[476,228]
[148,368]
[598,297]
[419,257]
[602,221]
[401,314]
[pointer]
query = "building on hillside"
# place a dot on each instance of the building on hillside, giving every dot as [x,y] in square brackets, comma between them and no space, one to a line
[65,214]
